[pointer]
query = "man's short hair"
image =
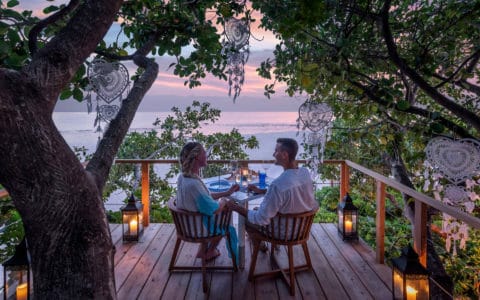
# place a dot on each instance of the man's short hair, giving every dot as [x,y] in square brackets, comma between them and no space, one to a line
[290,146]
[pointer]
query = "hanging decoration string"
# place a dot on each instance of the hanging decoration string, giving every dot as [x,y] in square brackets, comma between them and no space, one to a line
[458,163]
[236,48]
[318,118]
[109,81]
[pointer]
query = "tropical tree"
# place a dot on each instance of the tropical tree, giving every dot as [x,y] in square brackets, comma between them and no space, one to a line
[396,73]
[60,200]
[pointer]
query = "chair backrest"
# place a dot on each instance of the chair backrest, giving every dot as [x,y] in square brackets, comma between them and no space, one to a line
[195,227]
[290,228]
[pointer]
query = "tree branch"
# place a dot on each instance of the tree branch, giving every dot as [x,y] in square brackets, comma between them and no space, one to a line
[102,159]
[53,66]
[463,113]
[473,58]
[35,31]
[462,83]
[415,111]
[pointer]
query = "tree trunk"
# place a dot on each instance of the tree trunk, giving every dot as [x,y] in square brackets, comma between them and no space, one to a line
[59,201]
[61,207]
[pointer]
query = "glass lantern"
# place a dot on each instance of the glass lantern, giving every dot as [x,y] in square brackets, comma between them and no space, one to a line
[409,277]
[132,220]
[16,274]
[347,219]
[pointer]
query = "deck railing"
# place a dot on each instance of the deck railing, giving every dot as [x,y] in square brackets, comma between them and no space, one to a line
[422,201]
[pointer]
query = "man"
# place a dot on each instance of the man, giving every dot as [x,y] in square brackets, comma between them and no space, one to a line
[291,192]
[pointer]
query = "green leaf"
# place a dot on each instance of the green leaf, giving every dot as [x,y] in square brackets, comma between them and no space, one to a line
[65,94]
[77,94]
[122,52]
[12,3]
[3,28]
[403,105]
[50,9]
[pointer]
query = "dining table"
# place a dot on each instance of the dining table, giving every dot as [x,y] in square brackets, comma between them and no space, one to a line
[242,197]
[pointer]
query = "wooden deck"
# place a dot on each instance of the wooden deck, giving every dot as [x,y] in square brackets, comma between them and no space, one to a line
[341,270]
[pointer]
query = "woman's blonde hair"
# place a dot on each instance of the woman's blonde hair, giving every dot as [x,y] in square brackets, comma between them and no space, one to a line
[189,152]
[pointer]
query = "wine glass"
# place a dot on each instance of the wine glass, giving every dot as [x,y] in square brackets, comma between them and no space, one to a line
[233,167]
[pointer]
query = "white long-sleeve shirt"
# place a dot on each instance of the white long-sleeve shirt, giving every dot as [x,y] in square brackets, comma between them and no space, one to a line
[291,192]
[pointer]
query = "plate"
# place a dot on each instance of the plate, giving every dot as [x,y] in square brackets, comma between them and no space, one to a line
[219,186]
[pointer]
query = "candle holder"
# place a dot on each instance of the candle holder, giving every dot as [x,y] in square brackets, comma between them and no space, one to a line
[132,220]
[347,219]
[409,277]
[16,274]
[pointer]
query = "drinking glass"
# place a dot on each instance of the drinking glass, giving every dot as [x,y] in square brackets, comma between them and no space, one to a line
[262,176]
[233,167]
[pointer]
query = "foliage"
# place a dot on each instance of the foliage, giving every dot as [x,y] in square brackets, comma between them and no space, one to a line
[396,73]
[464,266]
[328,197]
[10,234]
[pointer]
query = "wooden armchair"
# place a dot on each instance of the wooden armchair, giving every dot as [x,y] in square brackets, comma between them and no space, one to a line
[190,227]
[288,230]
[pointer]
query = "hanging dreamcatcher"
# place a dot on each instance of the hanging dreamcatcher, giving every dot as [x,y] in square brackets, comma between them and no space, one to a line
[318,118]
[457,161]
[109,80]
[236,48]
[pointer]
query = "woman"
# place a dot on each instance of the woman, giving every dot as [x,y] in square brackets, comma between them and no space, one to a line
[193,195]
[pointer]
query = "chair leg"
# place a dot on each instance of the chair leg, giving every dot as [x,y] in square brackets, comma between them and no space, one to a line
[204,274]
[174,255]
[234,259]
[291,270]
[256,248]
[307,255]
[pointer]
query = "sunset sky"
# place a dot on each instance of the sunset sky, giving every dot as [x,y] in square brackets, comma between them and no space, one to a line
[169,90]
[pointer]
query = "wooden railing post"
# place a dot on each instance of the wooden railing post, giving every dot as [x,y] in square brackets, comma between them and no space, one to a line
[344,180]
[146,193]
[380,222]
[420,231]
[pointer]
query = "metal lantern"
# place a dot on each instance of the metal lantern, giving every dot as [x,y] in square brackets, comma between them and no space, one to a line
[16,274]
[347,219]
[132,220]
[409,277]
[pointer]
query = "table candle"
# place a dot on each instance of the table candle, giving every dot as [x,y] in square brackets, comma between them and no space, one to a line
[22,291]
[411,293]
[133,226]
[348,226]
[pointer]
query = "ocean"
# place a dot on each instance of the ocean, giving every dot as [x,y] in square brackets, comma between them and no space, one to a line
[77,127]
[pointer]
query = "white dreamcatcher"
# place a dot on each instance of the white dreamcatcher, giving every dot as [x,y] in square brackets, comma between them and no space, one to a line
[236,48]
[457,161]
[318,118]
[109,80]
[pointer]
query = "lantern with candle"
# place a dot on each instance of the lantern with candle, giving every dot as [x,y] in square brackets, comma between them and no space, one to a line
[16,274]
[244,178]
[347,219]
[409,277]
[132,220]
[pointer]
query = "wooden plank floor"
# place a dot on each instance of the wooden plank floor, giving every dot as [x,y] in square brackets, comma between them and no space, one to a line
[340,270]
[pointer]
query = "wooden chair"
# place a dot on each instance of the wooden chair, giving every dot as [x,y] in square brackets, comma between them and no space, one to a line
[288,230]
[190,228]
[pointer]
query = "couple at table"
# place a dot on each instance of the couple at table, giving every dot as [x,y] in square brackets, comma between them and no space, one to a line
[291,192]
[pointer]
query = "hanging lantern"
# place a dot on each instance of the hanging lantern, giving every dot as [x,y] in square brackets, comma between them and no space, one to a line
[347,219]
[16,274]
[409,277]
[132,220]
